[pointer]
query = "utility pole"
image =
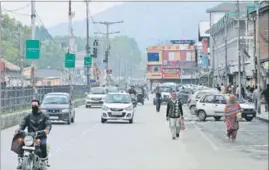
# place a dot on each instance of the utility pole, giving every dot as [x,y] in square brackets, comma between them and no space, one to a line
[211,49]
[33,17]
[88,52]
[21,57]
[107,24]
[258,56]
[226,52]
[238,49]
[70,44]
[0,83]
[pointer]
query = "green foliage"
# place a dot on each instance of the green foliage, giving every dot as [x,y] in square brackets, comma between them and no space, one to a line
[13,31]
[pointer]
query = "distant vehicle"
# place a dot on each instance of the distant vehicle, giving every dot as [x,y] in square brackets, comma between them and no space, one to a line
[59,106]
[112,89]
[96,97]
[165,93]
[213,105]
[118,106]
[196,96]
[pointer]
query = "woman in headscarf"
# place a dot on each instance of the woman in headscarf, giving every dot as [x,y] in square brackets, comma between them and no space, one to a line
[232,108]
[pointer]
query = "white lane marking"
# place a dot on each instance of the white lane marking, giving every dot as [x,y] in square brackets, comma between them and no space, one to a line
[213,145]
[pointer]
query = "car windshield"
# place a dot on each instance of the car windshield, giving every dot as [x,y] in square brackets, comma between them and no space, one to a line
[53,99]
[118,98]
[98,90]
[112,89]
[240,101]
[165,89]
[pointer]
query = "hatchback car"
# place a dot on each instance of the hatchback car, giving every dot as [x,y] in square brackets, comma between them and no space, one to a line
[197,96]
[212,105]
[96,97]
[118,106]
[59,107]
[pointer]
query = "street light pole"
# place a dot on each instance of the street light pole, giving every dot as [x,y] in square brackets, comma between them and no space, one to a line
[238,49]
[88,52]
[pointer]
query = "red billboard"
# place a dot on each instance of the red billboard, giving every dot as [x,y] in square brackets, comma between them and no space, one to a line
[171,73]
[205,46]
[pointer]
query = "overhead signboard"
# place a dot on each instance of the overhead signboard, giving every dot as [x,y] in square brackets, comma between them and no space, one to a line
[154,76]
[170,73]
[190,42]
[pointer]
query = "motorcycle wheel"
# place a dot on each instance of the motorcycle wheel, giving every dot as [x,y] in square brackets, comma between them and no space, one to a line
[27,164]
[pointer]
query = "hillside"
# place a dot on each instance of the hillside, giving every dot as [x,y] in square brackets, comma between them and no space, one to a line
[148,23]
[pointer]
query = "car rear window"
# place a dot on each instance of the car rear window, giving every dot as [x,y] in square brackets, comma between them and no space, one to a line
[55,99]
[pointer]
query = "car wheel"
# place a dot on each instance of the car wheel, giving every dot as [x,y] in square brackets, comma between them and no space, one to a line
[103,120]
[73,119]
[131,121]
[192,109]
[248,119]
[217,118]
[202,115]
[69,120]
[86,106]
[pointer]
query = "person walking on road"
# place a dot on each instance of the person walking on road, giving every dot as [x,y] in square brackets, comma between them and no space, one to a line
[255,97]
[265,93]
[174,114]
[232,108]
[222,89]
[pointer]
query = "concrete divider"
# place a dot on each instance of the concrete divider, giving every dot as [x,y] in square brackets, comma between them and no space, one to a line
[10,120]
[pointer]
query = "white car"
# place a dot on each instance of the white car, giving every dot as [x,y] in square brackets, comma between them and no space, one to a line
[213,105]
[197,96]
[118,106]
[96,97]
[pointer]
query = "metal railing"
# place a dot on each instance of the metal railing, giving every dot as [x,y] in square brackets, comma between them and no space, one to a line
[19,98]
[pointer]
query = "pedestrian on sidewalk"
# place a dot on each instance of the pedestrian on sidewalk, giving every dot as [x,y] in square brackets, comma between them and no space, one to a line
[265,93]
[232,108]
[222,89]
[174,114]
[237,92]
[255,97]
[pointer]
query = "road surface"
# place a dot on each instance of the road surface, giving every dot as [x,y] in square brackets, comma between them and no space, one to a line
[147,144]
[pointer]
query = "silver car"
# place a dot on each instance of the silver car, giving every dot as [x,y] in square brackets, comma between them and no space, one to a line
[59,107]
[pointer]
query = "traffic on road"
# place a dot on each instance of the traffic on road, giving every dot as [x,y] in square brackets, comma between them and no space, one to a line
[105,134]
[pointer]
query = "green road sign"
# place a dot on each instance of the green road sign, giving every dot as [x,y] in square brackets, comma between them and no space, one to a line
[32,49]
[87,61]
[70,60]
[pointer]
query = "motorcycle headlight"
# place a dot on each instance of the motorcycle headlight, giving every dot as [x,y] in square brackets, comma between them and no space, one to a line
[130,108]
[28,140]
[65,110]
[105,108]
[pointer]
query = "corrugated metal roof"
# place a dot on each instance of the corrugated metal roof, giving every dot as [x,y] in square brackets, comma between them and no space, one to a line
[203,27]
[10,65]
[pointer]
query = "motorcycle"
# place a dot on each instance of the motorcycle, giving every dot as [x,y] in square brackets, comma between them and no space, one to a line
[31,159]
[134,100]
[140,98]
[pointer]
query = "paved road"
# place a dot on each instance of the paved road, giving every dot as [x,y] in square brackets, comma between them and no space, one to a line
[147,144]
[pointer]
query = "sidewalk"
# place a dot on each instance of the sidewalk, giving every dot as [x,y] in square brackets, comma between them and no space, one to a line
[264,115]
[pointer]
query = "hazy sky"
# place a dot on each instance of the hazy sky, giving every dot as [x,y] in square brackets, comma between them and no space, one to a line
[52,13]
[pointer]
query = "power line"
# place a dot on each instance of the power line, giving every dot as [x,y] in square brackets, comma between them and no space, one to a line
[18,9]
[90,13]
[17,13]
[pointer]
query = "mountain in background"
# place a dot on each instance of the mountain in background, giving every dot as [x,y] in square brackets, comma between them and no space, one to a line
[148,22]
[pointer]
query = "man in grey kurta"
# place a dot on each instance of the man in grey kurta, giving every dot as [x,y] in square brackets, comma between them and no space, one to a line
[174,113]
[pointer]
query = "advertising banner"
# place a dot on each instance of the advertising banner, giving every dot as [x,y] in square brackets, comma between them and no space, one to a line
[170,73]
[205,46]
[2,66]
[204,61]
[152,76]
[154,55]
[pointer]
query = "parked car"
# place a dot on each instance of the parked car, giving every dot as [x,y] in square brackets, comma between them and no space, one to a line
[96,97]
[59,107]
[213,105]
[118,106]
[197,96]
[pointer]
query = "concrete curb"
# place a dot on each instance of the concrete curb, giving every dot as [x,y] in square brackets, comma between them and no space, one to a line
[10,120]
[262,119]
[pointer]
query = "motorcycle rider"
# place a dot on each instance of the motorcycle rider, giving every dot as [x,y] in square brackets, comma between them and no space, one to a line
[36,121]
[132,90]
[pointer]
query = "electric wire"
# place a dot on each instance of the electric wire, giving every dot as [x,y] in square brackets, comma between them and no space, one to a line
[18,9]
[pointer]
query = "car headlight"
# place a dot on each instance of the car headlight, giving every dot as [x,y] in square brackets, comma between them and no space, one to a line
[65,110]
[28,140]
[130,108]
[105,108]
